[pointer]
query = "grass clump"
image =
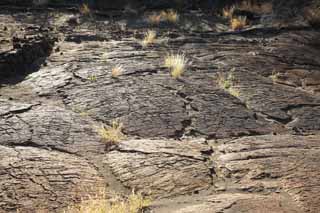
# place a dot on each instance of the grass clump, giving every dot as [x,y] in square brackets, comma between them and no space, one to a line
[134,203]
[84,9]
[149,38]
[237,14]
[227,12]
[116,71]
[92,78]
[248,6]
[275,76]
[238,23]
[112,134]
[154,19]
[227,83]
[176,63]
[171,16]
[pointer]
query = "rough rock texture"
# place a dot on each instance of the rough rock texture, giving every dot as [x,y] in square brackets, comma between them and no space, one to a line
[161,167]
[228,202]
[258,174]
[34,179]
[23,47]
[238,132]
[48,127]
[266,163]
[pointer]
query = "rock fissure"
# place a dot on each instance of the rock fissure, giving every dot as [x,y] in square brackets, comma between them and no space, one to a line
[51,151]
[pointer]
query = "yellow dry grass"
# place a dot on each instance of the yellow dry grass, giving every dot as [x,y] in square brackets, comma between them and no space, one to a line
[135,203]
[154,19]
[171,16]
[176,63]
[92,78]
[149,38]
[227,82]
[112,134]
[84,9]
[116,71]
[250,6]
[227,12]
[238,23]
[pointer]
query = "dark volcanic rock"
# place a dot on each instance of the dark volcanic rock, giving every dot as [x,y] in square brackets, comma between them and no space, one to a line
[237,132]
[257,174]
[25,49]
[287,163]
[48,127]
[37,179]
[228,202]
[162,168]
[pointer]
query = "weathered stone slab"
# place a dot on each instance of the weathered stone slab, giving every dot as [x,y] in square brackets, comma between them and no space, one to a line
[161,168]
[33,179]
[48,127]
[270,164]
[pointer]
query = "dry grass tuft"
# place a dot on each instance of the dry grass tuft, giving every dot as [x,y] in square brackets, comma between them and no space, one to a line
[154,19]
[238,23]
[254,7]
[227,12]
[134,203]
[112,134]
[117,71]
[176,63]
[149,38]
[92,78]
[227,82]
[84,9]
[171,16]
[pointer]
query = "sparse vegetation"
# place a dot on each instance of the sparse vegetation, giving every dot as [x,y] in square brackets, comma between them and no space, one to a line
[238,23]
[249,6]
[188,131]
[154,19]
[84,113]
[274,76]
[234,92]
[171,16]
[117,71]
[134,203]
[176,63]
[227,82]
[149,38]
[227,12]
[84,9]
[112,134]
[92,78]
[105,55]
